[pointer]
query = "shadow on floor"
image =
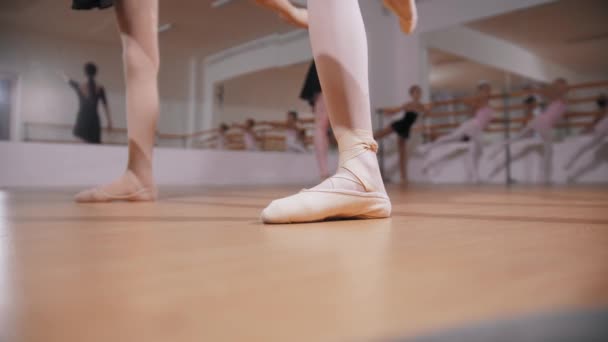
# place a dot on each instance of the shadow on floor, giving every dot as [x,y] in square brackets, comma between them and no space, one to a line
[585,326]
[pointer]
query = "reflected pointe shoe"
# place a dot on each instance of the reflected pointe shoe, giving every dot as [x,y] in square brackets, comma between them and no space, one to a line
[356,191]
[406,11]
[139,193]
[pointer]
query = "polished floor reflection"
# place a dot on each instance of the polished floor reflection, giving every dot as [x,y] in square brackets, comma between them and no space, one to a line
[199,266]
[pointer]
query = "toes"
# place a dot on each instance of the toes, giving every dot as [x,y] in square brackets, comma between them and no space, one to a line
[267,214]
[85,196]
[274,213]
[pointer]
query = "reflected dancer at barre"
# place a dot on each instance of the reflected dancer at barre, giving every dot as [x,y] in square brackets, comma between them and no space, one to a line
[472,129]
[90,95]
[599,130]
[412,111]
[295,135]
[543,125]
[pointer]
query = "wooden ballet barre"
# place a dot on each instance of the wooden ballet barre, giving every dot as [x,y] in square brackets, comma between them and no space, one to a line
[462,100]
[307,120]
[589,99]
[274,138]
[441,126]
[582,114]
[203,132]
[511,120]
[49,124]
[170,136]
[70,126]
[572,124]
[595,84]
[520,93]
[502,129]
[66,141]
[515,107]
[444,114]
[105,129]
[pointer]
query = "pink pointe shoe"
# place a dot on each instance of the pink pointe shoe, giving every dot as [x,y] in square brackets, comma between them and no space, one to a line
[100,195]
[353,193]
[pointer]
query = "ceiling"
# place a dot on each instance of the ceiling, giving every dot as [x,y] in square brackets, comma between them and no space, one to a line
[196,26]
[572,33]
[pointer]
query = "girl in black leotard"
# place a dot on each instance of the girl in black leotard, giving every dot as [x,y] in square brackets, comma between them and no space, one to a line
[88,126]
[413,110]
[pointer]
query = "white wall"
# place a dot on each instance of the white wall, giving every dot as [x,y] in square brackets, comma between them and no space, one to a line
[449,163]
[42,165]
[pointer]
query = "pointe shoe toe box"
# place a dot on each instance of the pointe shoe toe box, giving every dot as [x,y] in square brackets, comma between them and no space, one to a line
[88,196]
[97,195]
[314,206]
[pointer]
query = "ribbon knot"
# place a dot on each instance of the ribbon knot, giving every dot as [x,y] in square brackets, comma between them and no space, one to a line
[373,146]
[352,144]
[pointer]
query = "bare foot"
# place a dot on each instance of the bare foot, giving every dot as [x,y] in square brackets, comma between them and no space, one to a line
[126,188]
[406,11]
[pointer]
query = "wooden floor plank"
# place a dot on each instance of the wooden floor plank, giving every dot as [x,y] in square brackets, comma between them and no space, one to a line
[199,266]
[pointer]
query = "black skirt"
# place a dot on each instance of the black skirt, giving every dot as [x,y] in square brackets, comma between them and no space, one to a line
[312,86]
[404,126]
[91,4]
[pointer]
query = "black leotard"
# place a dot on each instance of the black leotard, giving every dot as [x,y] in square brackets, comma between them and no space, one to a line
[312,86]
[404,126]
[91,4]
[88,125]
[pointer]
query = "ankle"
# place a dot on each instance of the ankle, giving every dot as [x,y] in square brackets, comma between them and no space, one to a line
[369,160]
[142,177]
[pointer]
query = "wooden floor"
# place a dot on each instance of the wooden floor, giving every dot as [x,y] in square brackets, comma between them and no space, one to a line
[199,266]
